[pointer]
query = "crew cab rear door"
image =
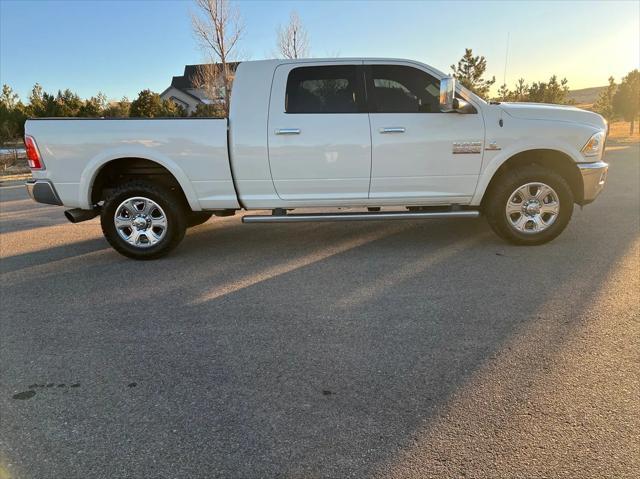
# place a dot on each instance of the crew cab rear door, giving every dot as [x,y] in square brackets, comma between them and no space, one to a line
[318,130]
[418,153]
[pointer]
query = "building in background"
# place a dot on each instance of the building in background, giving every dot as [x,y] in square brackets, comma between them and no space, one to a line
[187,91]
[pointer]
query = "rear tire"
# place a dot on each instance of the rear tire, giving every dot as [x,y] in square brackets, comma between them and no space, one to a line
[531,205]
[196,218]
[143,220]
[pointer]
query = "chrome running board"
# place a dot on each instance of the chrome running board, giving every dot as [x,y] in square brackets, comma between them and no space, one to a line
[371,216]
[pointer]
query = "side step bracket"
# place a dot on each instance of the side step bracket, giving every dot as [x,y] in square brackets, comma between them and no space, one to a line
[364,216]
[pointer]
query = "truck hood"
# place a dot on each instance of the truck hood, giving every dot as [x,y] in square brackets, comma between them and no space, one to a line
[544,111]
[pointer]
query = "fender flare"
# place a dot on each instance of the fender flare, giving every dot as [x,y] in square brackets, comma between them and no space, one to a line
[95,165]
[491,166]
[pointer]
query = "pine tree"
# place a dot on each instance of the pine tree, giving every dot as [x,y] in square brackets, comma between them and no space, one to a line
[37,104]
[12,115]
[147,105]
[604,103]
[9,99]
[119,109]
[550,92]
[171,109]
[626,100]
[503,92]
[150,105]
[521,92]
[94,107]
[470,71]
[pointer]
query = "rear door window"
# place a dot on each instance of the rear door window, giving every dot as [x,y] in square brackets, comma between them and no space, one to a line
[324,89]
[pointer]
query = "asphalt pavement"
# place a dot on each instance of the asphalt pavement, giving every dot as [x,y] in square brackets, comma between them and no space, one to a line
[402,349]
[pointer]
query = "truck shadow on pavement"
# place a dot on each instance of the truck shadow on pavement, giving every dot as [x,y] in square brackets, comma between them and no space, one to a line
[291,351]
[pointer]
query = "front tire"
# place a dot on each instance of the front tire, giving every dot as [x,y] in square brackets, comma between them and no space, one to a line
[531,205]
[143,220]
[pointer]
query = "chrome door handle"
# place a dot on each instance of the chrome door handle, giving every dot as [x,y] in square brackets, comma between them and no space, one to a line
[393,129]
[288,131]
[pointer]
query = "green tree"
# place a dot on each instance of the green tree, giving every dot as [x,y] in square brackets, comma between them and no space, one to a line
[147,105]
[12,115]
[521,92]
[37,103]
[604,103]
[67,104]
[550,92]
[94,106]
[8,98]
[171,109]
[469,73]
[626,100]
[118,109]
[42,104]
[503,93]
[150,105]
[212,110]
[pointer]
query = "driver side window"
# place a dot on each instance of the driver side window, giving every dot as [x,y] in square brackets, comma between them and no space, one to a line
[403,89]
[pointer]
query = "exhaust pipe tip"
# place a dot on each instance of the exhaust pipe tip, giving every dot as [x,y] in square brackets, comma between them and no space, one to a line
[77,215]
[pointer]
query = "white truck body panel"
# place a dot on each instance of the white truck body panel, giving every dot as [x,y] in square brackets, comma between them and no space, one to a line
[193,150]
[248,135]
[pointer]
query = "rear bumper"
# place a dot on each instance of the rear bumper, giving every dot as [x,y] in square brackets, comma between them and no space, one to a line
[594,176]
[43,191]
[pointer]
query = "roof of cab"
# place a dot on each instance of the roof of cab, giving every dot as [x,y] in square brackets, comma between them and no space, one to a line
[286,61]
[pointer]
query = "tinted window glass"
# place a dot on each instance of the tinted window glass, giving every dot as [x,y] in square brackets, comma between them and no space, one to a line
[330,89]
[402,89]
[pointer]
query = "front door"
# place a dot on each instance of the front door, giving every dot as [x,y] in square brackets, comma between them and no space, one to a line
[419,154]
[319,138]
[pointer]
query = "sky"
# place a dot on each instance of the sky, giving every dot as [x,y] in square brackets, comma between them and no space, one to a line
[120,47]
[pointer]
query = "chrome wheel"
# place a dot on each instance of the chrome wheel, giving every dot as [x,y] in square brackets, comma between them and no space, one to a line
[532,208]
[141,222]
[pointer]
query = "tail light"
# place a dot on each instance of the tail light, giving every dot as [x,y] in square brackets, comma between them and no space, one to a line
[33,154]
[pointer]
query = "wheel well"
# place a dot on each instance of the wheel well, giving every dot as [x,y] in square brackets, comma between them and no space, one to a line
[553,160]
[120,170]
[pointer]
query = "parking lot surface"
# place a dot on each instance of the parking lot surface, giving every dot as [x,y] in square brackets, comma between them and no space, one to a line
[408,350]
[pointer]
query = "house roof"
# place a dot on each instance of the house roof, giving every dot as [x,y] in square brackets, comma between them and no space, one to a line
[186,81]
[181,90]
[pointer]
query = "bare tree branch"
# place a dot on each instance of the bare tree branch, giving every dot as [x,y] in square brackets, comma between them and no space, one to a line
[208,79]
[218,27]
[293,41]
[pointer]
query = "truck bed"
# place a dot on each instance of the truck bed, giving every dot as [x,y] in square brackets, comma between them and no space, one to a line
[194,150]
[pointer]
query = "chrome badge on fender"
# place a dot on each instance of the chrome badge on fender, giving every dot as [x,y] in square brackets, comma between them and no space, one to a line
[460,147]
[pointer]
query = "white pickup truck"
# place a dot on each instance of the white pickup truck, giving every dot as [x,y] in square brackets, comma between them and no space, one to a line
[387,139]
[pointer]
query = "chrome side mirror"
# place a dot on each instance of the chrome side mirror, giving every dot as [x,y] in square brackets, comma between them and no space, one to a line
[447,94]
[448,101]
[462,106]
